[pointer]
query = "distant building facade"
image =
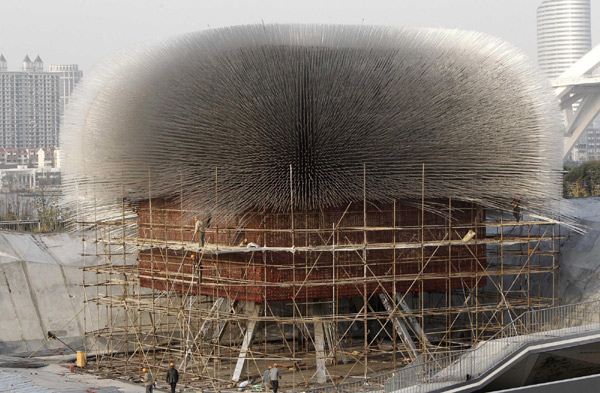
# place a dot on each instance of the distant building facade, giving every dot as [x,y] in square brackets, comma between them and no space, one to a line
[70,75]
[32,102]
[564,34]
[30,158]
[563,37]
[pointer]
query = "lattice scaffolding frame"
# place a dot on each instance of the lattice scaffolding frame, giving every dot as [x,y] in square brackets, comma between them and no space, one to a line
[329,296]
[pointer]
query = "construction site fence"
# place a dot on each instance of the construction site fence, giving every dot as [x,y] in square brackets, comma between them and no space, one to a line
[531,326]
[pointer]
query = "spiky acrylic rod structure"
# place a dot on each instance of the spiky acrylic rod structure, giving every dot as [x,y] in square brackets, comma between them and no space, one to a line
[252,102]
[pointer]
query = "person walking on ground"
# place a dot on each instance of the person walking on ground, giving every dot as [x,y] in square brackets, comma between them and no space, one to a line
[172,376]
[266,379]
[147,379]
[274,377]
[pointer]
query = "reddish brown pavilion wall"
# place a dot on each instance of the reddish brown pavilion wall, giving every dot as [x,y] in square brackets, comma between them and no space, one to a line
[280,276]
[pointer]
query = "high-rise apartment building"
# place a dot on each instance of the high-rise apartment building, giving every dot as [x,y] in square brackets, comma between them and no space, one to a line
[29,107]
[563,37]
[32,102]
[70,75]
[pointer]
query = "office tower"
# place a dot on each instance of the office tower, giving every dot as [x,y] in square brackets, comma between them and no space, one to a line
[563,34]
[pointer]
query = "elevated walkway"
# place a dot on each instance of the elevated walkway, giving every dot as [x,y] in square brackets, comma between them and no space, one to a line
[538,331]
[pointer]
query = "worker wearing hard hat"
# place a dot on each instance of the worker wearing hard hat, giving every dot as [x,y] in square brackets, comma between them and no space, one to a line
[274,378]
[267,379]
[172,376]
[147,379]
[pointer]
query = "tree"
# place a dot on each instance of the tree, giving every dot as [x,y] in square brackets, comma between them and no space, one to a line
[48,212]
[582,180]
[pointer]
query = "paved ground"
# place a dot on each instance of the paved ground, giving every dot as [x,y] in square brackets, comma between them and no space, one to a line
[58,379]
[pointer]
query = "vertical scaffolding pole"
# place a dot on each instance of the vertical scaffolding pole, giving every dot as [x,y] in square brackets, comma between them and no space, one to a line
[422,267]
[364,261]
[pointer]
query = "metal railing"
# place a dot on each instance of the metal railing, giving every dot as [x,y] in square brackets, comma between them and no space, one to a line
[531,326]
[32,226]
[370,384]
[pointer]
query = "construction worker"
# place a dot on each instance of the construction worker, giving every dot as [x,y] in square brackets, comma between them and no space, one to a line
[147,379]
[274,377]
[199,229]
[516,203]
[172,376]
[266,379]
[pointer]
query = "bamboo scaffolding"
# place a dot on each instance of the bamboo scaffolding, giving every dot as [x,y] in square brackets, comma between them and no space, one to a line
[153,315]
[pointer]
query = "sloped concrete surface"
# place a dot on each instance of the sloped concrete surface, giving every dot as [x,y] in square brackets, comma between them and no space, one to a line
[40,290]
[580,259]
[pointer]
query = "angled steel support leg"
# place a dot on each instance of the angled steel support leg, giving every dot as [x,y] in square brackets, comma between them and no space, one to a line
[400,328]
[250,328]
[213,310]
[412,320]
[320,352]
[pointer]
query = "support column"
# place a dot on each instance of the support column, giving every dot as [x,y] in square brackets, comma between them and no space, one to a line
[239,367]
[335,346]
[320,352]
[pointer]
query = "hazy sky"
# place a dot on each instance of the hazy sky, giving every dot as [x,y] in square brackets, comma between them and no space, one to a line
[85,31]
